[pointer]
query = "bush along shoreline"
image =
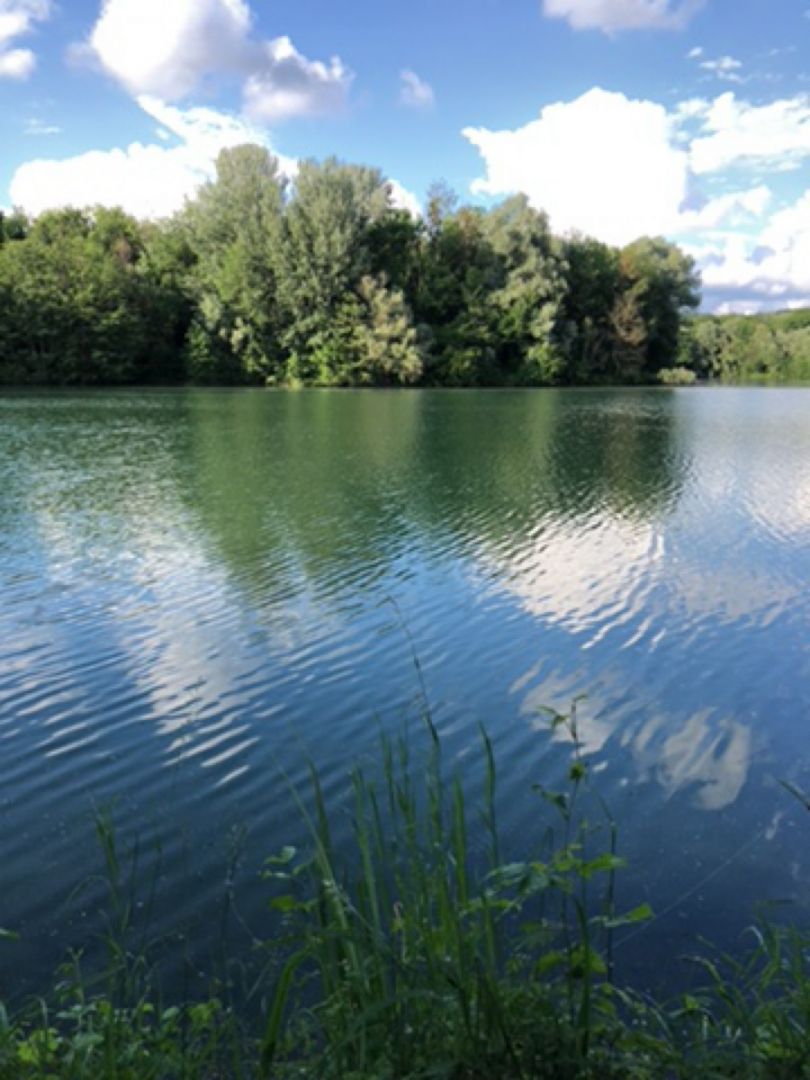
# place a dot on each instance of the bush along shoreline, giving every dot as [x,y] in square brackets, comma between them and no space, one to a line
[421,953]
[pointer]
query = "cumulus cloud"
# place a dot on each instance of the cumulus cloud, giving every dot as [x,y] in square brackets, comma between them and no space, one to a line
[414,91]
[617,169]
[735,133]
[767,269]
[149,180]
[691,109]
[17,17]
[402,199]
[604,164]
[161,48]
[287,84]
[168,49]
[613,15]
[152,180]
[732,208]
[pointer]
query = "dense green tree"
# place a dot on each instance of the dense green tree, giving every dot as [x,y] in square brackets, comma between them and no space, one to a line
[665,285]
[14,225]
[758,349]
[738,347]
[325,254]
[587,328]
[324,281]
[490,286]
[165,266]
[531,286]
[80,311]
[702,346]
[234,230]
[389,347]
[630,334]
[796,347]
[394,240]
[457,276]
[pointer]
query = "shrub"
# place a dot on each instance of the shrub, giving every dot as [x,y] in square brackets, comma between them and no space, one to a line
[677,376]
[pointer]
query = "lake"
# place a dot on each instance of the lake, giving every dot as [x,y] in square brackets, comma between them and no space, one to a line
[202,590]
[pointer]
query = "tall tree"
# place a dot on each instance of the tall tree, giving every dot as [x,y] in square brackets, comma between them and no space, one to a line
[630,336]
[665,285]
[531,288]
[234,228]
[330,237]
[587,328]
[457,272]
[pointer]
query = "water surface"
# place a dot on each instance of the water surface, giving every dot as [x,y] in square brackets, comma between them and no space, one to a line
[199,590]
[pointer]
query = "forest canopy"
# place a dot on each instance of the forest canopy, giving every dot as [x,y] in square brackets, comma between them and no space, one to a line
[323,281]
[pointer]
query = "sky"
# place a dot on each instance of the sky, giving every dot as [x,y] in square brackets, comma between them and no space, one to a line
[688,119]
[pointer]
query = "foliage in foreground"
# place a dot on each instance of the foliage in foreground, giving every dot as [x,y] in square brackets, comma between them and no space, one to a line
[425,955]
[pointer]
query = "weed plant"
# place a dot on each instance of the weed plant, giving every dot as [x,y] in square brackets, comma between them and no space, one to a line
[422,953]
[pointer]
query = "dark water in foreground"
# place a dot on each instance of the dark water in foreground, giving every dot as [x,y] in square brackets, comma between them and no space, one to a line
[196,594]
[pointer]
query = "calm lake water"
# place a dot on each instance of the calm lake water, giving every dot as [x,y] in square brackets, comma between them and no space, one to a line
[200,590]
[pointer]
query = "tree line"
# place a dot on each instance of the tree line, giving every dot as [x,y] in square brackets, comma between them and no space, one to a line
[739,347]
[323,281]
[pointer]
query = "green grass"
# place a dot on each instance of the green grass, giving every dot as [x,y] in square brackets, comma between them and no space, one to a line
[420,953]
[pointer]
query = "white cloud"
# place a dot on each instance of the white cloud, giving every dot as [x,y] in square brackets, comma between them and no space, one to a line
[35,126]
[402,199]
[731,208]
[147,180]
[788,224]
[613,15]
[288,84]
[415,92]
[168,49]
[17,17]
[207,131]
[696,53]
[724,67]
[617,169]
[734,132]
[603,164]
[17,64]
[691,109]
[767,269]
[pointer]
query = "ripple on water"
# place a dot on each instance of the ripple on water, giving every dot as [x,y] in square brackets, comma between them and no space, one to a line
[203,592]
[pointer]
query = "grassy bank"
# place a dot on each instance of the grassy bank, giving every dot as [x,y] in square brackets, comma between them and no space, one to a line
[421,953]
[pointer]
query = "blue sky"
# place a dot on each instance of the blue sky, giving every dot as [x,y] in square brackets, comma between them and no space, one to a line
[618,117]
